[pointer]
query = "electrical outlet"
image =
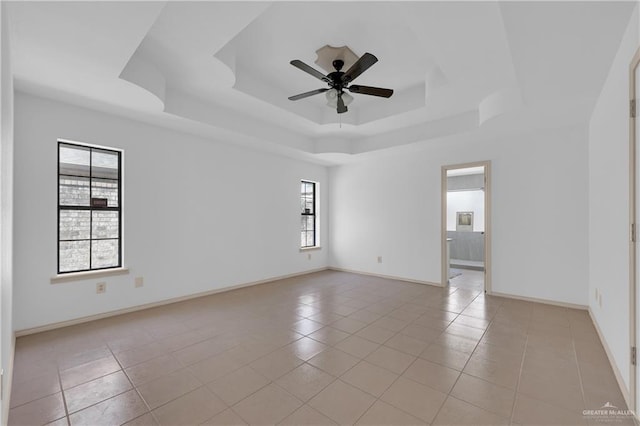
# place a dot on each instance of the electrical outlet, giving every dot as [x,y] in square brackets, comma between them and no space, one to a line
[379,259]
[139,282]
[308,256]
[101,287]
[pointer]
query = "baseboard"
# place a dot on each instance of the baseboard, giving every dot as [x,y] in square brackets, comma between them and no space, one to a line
[545,301]
[391,277]
[6,392]
[614,366]
[81,320]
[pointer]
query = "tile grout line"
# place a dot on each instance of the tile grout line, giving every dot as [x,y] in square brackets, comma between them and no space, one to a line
[575,355]
[62,393]
[524,353]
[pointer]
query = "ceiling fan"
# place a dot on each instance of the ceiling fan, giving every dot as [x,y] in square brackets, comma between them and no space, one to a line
[339,81]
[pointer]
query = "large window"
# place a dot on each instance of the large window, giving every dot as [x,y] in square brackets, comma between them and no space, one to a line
[89,208]
[308,236]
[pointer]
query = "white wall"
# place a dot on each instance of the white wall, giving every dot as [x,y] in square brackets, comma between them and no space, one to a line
[6,212]
[609,203]
[198,215]
[390,207]
[466,201]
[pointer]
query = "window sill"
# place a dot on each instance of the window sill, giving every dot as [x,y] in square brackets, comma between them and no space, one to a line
[87,275]
[302,249]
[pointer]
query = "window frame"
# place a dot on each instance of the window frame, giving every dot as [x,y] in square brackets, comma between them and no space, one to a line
[90,208]
[314,214]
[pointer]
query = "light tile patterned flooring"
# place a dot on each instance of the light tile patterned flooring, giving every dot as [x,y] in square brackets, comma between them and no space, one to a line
[469,279]
[323,348]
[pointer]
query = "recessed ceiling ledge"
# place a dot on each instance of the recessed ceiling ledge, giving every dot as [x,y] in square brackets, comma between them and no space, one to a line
[144,74]
[227,57]
[499,103]
[331,145]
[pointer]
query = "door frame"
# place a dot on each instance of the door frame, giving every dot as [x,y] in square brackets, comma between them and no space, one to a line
[633,199]
[487,220]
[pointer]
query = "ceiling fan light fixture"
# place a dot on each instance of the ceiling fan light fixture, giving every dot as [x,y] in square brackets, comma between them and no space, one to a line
[332,98]
[346,98]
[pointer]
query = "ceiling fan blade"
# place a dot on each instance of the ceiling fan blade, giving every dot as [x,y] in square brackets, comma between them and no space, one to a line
[341,106]
[373,91]
[359,67]
[309,70]
[307,94]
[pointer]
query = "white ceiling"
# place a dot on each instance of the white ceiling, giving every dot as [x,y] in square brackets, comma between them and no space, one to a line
[221,69]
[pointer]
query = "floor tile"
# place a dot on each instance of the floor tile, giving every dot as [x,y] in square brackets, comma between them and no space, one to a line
[458,343]
[276,364]
[329,335]
[499,372]
[227,418]
[365,316]
[38,412]
[143,420]
[86,372]
[152,369]
[306,415]
[36,388]
[333,361]
[493,398]
[238,385]
[192,408]
[555,389]
[382,413]
[114,411]
[82,357]
[60,422]
[529,412]
[306,326]
[406,344]
[349,325]
[413,398]
[95,391]
[200,351]
[390,359]
[140,354]
[419,332]
[305,381]
[306,348]
[375,333]
[457,412]
[269,405]
[169,387]
[445,356]
[390,323]
[357,346]
[215,367]
[434,375]
[369,378]
[342,402]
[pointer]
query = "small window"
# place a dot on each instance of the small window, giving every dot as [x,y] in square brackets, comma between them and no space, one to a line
[308,211]
[89,208]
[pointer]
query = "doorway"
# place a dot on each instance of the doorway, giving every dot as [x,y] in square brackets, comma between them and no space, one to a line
[466,237]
